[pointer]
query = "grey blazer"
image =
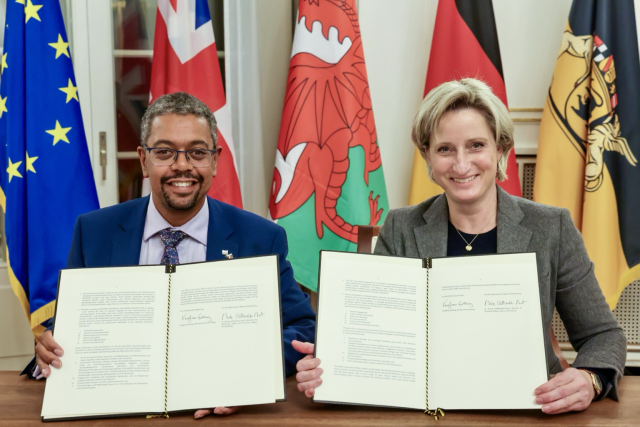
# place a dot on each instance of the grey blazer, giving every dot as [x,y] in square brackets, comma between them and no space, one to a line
[565,272]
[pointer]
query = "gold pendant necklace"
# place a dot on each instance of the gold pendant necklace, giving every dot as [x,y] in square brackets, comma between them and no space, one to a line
[468,247]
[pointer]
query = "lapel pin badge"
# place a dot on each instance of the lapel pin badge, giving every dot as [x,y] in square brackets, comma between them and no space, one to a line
[226,254]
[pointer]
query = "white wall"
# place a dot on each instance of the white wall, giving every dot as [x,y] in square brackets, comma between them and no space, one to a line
[397,42]
[16,339]
[259,37]
[529,33]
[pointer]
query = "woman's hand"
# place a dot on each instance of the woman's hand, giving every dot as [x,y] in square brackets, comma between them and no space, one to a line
[570,390]
[308,375]
[220,410]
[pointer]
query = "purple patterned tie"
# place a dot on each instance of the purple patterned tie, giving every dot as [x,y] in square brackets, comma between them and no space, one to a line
[171,238]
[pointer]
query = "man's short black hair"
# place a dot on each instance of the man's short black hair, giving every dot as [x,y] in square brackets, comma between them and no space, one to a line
[180,103]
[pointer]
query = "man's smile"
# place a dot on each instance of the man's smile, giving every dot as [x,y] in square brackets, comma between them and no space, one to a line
[181,186]
[182,183]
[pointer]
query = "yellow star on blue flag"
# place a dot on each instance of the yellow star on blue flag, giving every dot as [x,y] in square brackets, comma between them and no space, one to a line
[12,170]
[40,207]
[61,47]
[3,105]
[30,161]
[71,91]
[59,133]
[31,11]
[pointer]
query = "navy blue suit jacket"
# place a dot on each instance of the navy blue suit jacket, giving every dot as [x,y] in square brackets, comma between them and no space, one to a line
[113,237]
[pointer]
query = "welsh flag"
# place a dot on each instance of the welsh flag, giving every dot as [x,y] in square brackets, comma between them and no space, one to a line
[328,175]
[185,59]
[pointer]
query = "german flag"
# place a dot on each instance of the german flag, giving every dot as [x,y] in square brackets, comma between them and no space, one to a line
[465,44]
[590,138]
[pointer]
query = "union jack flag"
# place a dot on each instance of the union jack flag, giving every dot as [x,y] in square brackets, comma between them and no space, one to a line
[185,59]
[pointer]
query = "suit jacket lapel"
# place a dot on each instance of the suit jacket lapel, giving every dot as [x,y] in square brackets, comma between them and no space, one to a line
[512,237]
[220,235]
[125,245]
[431,238]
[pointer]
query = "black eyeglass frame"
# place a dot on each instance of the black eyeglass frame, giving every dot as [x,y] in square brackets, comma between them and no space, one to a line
[186,155]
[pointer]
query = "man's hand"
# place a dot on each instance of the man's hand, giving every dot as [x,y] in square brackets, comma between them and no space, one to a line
[220,410]
[308,375]
[570,390]
[48,352]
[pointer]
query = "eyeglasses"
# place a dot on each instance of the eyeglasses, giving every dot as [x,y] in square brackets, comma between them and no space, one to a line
[163,156]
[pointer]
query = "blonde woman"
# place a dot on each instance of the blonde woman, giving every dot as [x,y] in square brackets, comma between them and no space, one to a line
[464,133]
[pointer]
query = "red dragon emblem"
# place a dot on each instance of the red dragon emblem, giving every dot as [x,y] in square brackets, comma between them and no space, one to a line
[327,110]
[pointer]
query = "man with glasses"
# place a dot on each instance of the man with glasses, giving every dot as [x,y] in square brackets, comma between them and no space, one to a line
[178,223]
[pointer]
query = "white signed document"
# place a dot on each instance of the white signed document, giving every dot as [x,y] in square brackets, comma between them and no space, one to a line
[471,325]
[126,333]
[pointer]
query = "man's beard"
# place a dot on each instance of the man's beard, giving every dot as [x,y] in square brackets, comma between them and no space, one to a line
[181,205]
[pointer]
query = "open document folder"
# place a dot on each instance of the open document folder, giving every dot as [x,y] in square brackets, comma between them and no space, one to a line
[450,333]
[154,339]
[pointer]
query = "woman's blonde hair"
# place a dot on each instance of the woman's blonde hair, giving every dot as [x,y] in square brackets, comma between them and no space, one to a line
[457,95]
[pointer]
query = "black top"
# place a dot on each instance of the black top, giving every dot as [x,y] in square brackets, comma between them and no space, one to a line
[486,244]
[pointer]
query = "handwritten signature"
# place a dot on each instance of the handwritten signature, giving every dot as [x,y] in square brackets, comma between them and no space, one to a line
[504,302]
[451,304]
[201,318]
[233,316]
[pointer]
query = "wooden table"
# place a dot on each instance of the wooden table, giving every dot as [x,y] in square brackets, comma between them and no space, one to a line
[21,401]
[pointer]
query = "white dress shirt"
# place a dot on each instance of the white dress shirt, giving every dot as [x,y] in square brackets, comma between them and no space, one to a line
[192,248]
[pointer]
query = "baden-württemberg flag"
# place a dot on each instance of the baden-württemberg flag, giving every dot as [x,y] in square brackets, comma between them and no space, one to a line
[589,142]
[328,176]
[46,180]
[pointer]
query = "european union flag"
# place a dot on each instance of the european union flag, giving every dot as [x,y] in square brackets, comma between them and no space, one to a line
[46,181]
